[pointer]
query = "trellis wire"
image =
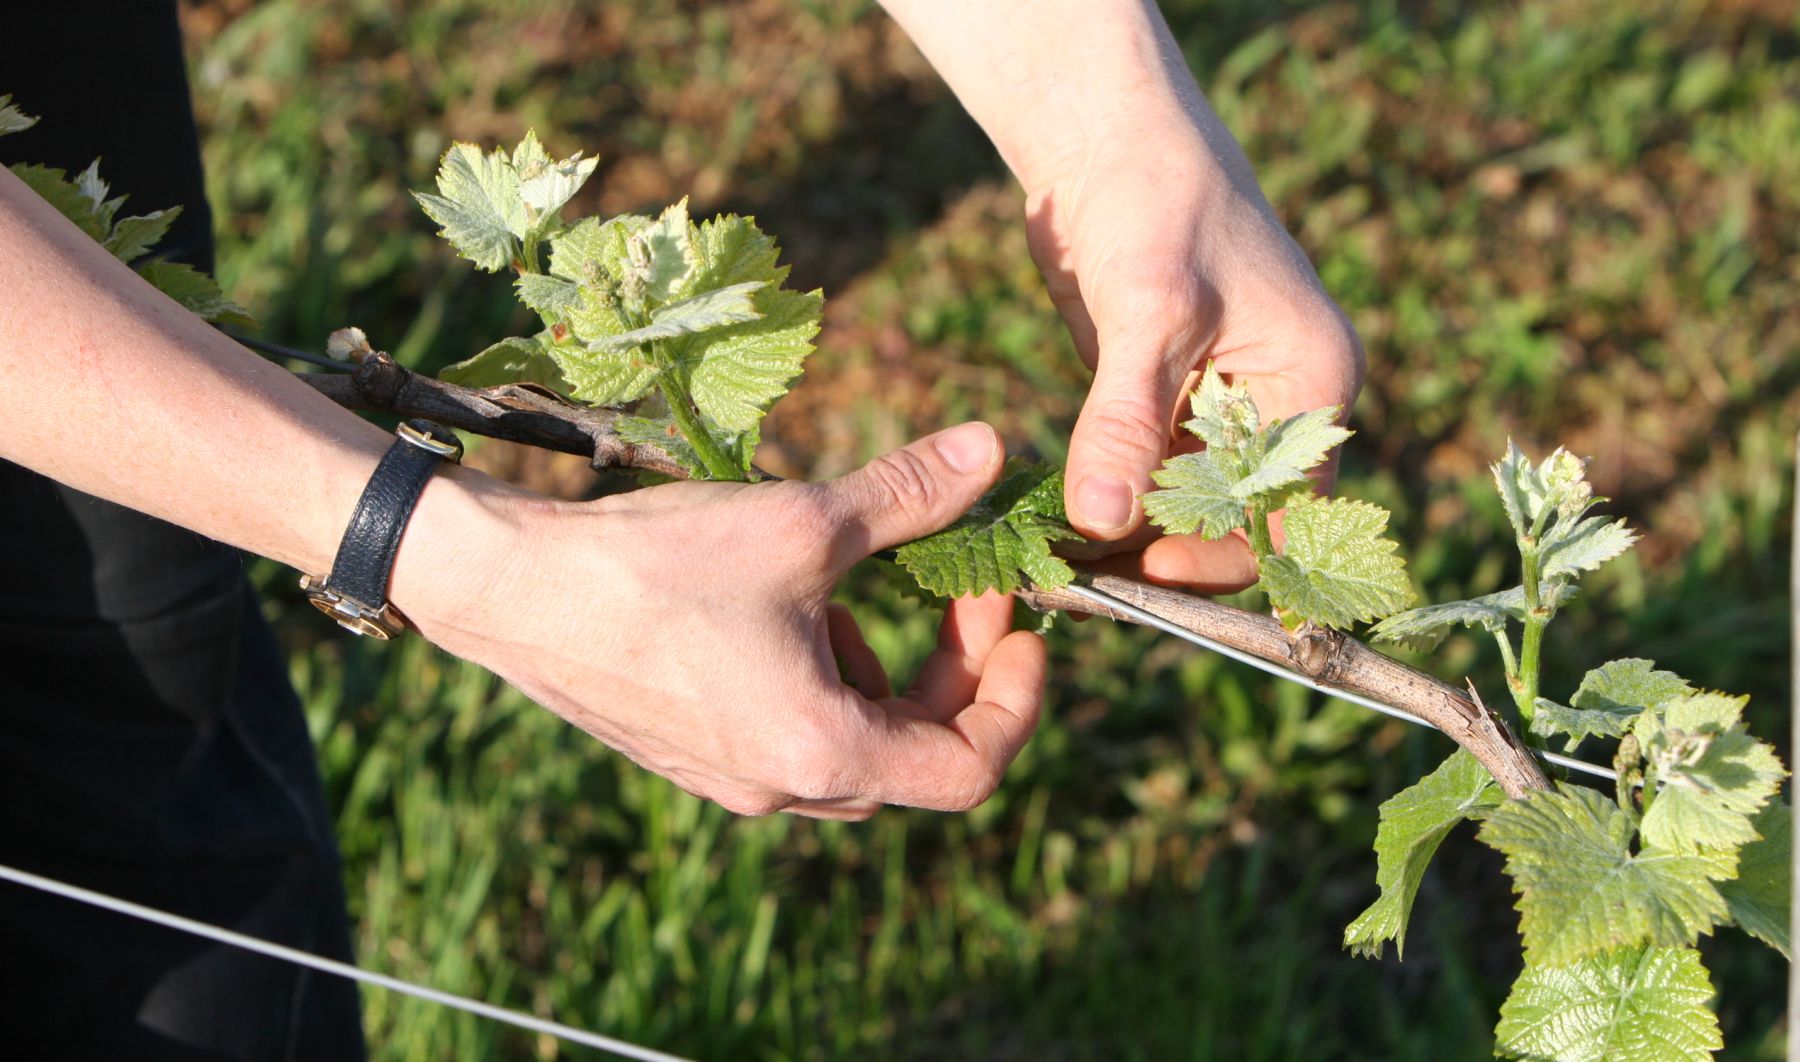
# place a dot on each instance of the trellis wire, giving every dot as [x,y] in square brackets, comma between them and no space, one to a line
[622,1048]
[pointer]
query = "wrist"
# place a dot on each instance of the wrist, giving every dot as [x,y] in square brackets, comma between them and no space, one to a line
[458,549]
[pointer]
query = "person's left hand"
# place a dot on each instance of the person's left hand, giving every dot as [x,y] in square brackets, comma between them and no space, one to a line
[1161,254]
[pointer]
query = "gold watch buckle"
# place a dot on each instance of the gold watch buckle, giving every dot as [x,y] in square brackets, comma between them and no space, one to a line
[354,616]
[451,451]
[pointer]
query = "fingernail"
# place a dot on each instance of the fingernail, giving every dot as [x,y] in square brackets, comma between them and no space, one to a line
[1104,502]
[968,447]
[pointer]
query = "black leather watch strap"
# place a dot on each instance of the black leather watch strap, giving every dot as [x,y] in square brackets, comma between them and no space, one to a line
[355,593]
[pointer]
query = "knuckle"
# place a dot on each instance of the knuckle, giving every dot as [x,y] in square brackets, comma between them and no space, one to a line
[810,764]
[903,483]
[976,791]
[753,803]
[1125,428]
[802,513]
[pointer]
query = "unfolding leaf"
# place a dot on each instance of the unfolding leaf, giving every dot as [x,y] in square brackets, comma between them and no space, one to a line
[1648,1004]
[1225,417]
[1197,495]
[481,208]
[1582,891]
[1522,489]
[515,360]
[94,190]
[1609,698]
[1424,628]
[592,247]
[1414,822]
[545,184]
[1761,894]
[1337,568]
[1583,547]
[1243,465]
[133,237]
[662,254]
[196,291]
[13,120]
[1002,543]
[1710,777]
[697,313]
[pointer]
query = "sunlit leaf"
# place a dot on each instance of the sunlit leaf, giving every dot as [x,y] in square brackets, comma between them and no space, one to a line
[1648,1004]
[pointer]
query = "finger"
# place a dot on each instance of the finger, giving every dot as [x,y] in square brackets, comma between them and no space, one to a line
[858,665]
[956,764]
[848,809]
[913,491]
[950,676]
[1221,566]
[1124,432]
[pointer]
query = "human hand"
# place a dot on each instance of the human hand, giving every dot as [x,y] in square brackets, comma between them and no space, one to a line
[1158,246]
[689,627]
[1161,254]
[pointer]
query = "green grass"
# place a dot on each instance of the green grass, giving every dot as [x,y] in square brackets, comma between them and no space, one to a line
[1570,223]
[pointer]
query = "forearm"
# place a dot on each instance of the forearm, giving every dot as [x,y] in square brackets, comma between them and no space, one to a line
[114,389]
[1049,79]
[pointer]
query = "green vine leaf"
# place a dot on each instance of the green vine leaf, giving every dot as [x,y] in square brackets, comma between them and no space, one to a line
[13,120]
[551,297]
[1414,822]
[481,208]
[196,291]
[1286,450]
[1610,697]
[1424,628]
[1582,891]
[1197,496]
[515,360]
[1002,543]
[1710,777]
[55,188]
[1337,568]
[736,373]
[1759,897]
[132,238]
[1584,546]
[697,313]
[1636,1003]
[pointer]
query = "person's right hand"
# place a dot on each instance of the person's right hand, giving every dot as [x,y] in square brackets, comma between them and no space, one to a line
[689,627]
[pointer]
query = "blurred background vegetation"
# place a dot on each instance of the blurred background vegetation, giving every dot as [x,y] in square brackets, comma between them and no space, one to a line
[1569,222]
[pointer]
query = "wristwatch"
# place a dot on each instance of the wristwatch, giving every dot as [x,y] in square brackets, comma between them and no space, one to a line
[355,591]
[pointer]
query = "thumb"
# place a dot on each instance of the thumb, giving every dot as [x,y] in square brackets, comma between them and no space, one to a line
[1122,435]
[912,491]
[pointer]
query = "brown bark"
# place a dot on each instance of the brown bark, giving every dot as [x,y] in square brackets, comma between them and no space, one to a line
[528,415]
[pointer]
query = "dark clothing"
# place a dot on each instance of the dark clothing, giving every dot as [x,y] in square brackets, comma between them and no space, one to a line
[150,745]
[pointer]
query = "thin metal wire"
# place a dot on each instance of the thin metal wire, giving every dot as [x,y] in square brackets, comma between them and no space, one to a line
[1151,619]
[568,1033]
[276,350]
